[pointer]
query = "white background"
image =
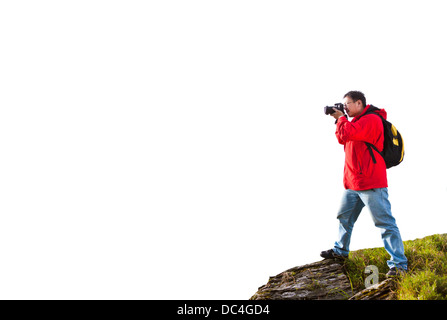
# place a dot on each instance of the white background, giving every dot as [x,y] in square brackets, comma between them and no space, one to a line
[179,150]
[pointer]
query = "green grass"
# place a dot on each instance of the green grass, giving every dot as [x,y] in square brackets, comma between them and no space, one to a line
[427,268]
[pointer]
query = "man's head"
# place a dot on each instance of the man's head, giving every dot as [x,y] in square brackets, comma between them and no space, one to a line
[354,103]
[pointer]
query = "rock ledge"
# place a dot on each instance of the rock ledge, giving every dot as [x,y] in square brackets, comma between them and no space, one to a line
[322,280]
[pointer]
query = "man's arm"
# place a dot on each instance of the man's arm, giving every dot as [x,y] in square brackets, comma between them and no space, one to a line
[339,117]
[367,129]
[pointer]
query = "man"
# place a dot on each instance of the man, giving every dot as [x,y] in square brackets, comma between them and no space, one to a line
[365,181]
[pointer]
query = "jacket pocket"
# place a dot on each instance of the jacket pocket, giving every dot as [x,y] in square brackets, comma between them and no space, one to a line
[358,161]
[360,168]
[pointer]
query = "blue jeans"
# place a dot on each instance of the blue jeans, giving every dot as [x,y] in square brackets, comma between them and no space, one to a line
[377,202]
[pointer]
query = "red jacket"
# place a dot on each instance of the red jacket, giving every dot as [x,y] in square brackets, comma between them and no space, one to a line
[360,172]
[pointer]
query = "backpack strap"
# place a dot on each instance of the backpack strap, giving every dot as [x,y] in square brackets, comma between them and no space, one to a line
[370,148]
[372,110]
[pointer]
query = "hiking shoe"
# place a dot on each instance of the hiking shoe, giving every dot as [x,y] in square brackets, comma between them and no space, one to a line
[330,254]
[396,272]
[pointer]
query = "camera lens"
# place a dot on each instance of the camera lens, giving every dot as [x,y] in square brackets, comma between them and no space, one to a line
[328,110]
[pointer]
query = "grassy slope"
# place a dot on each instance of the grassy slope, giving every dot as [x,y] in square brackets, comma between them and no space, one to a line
[427,265]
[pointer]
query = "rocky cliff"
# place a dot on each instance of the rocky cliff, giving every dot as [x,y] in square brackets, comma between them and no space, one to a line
[319,280]
[322,280]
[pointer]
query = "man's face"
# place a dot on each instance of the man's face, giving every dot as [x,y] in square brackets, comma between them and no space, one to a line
[352,108]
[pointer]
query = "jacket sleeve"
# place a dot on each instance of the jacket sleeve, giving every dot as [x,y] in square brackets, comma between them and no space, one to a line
[367,129]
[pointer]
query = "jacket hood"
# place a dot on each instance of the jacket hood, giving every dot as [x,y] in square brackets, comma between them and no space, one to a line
[381,112]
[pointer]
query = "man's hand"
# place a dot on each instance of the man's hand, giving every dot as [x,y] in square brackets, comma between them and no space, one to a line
[337,114]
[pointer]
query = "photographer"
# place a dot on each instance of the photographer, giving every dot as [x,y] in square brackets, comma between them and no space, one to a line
[365,181]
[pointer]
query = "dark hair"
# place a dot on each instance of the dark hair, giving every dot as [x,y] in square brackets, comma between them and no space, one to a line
[356,95]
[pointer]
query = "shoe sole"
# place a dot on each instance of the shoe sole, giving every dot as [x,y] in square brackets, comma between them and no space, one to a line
[335,258]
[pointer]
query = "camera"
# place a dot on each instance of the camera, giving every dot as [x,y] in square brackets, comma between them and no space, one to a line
[329,110]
